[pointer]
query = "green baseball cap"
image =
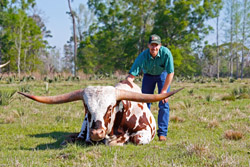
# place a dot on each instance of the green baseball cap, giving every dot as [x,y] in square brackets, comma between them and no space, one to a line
[154,39]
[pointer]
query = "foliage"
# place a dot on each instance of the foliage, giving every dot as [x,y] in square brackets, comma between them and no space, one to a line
[123,28]
[241,92]
[229,98]
[21,36]
[6,96]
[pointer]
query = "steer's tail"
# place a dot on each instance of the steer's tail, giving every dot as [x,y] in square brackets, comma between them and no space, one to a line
[64,98]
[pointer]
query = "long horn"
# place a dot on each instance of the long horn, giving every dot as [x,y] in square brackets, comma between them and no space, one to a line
[141,97]
[64,98]
[4,64]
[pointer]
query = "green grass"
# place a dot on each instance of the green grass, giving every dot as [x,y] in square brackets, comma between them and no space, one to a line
[31,132]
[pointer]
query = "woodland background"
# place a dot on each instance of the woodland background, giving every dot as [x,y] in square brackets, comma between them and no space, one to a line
[107,36]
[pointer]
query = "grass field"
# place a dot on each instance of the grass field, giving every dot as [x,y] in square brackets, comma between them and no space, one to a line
[208,127]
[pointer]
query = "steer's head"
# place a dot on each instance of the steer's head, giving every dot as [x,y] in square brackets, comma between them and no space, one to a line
[99,104]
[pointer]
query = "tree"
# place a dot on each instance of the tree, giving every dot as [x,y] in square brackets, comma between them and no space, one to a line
[21,36]
[123,28]
[232,18]
[72,14]
[110,35]
[84,18]
[217,10]
[237,21]
[67,59]
[245,29]
[182,25]
[209,60]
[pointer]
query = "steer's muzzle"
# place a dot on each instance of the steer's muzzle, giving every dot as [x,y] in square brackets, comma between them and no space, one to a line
[97,134]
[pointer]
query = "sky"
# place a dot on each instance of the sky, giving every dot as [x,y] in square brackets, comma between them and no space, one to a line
[57,20]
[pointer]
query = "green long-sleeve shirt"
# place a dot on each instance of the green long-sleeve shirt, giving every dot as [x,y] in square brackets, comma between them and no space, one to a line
[163,61]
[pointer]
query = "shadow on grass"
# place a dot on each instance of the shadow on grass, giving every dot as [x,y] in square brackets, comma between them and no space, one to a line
[58,136]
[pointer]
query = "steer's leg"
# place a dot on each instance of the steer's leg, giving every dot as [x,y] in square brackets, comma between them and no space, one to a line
[84,130]
[141,137]
[118,140]
[82,136]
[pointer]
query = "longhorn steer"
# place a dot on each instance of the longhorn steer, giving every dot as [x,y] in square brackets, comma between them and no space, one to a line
[118,114]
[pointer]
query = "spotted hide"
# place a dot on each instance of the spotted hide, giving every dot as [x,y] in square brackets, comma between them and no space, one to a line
[113,115]
[122,121]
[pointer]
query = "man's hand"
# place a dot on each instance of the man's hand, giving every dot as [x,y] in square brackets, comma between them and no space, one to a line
[129,79]
[168,81]
[164,100]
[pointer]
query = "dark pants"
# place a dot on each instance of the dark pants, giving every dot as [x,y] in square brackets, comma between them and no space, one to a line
[148,86]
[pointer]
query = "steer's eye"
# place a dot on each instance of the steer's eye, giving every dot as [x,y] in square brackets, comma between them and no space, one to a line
[110,108]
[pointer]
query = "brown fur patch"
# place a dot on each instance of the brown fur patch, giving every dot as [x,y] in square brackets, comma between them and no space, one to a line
[143,122]
[135,139]
[107,116]
[121,139]
[141,106]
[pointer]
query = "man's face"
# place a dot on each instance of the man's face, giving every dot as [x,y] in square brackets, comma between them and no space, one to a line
[154,48]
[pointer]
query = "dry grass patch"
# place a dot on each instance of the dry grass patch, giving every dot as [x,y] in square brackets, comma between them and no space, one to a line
[175,118]
[213,124]
[226,117]
[198,149]
[63,156]
[229,160]
[9,119]
[181,105]
[233,135]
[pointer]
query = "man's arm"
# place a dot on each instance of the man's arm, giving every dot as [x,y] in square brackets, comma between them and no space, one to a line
[167,83]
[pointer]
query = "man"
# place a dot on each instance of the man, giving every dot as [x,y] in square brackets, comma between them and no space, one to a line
[156,62]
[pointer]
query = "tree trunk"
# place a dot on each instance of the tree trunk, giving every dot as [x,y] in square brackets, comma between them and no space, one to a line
[18,43]
[0,59]
[217,43]
[74,36]
[243,40]
[237,65]
[231,41]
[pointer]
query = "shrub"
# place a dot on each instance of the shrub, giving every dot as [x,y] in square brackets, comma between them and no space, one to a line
[175,118]
[233,135]
[229,98]
[209,98]
[24,88]
[6,96]
[241,93]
